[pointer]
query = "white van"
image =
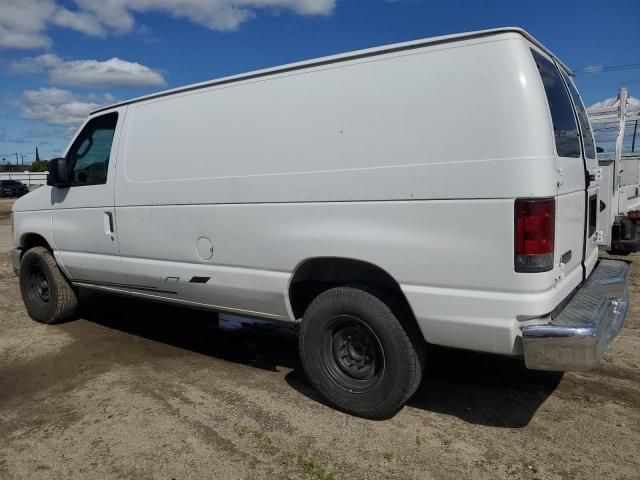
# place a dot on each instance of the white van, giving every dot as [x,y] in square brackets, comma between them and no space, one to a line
[443,190]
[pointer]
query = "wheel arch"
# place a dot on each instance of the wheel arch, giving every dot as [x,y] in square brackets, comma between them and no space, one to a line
[30,240]
[315,275]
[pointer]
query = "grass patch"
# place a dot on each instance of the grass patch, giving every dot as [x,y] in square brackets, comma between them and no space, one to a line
[312,468]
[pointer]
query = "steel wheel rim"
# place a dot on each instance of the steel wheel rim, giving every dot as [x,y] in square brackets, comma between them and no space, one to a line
[352,354]
[38,285]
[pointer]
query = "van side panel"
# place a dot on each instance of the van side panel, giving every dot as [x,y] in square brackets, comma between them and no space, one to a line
[413,125]
[452,268]
[410,161]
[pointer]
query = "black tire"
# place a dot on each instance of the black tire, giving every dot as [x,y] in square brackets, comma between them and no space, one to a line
[356,352]
[46,293]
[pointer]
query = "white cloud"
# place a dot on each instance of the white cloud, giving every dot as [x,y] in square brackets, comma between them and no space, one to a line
[34,64]
[607,102]
[60,107]
[48,96]
[90,73]
[80,21]
[613,101]
[112,14]
[221,15]
[146,34]
[23,23]
[592,69]
[71,113]
[10,38]
[606,133]
[110,73]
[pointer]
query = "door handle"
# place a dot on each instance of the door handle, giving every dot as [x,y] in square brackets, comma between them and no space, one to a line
[108,223]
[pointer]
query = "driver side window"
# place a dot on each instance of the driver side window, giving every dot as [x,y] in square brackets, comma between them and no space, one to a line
[88,157]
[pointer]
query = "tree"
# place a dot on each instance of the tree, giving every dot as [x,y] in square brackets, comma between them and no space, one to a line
[39,165]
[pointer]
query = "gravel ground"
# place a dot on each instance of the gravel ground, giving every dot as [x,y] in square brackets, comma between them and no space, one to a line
[135,390]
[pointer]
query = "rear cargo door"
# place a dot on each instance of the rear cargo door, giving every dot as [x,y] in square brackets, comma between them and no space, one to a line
[593,178]
[575,251]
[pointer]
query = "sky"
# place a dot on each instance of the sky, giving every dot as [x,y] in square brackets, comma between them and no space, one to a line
[60,59]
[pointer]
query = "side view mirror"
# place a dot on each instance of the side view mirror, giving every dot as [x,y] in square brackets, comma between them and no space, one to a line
[58,173]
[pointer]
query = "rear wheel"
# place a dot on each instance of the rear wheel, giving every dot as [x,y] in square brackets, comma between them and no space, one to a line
[46,293]
[356,352]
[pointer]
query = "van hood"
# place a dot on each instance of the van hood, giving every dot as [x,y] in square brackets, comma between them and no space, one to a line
[39,199]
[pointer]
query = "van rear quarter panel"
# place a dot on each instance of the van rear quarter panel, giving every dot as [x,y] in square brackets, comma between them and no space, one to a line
[410,161]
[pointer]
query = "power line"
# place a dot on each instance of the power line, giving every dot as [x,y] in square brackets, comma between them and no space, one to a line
[611,68]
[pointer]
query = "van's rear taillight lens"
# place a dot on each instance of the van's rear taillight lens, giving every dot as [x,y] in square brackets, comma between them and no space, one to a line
[535,221]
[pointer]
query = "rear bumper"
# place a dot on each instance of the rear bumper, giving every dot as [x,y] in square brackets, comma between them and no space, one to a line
[15,259]
[578,335]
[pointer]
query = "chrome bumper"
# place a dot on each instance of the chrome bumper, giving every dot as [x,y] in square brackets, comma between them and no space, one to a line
[15,259]
[578,335]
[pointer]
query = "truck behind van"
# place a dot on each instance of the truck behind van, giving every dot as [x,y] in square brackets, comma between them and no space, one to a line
[619,217]
[442,191]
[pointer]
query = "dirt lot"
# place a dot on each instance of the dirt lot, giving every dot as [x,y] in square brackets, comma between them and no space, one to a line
[132,390]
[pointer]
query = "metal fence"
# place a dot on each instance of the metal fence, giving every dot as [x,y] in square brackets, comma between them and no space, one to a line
[31,179]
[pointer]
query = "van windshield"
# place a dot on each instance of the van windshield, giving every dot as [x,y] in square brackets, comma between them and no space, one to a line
[565,128]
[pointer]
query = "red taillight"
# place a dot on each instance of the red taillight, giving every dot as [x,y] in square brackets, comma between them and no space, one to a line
[634,214]
[534,234]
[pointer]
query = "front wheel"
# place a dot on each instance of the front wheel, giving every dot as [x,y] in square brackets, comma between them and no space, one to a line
[46,293]
[356,352]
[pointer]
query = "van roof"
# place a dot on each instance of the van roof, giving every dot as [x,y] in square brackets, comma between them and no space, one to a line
[353,55]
